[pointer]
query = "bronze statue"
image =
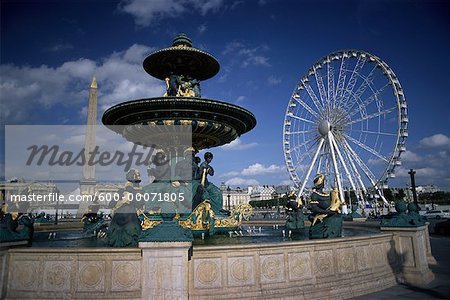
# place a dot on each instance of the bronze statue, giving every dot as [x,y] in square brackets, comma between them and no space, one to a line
[326,221]
[9,227]
[294,214]
[187,174]
[401,218]
[180,85]
[125,227]
[212,192]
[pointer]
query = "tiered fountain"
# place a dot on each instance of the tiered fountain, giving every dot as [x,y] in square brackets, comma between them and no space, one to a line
[212,123]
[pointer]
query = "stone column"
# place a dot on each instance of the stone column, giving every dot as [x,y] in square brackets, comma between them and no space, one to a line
[165,270]
[412,252]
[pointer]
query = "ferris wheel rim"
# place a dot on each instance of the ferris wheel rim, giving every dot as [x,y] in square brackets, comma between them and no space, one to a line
[395,86]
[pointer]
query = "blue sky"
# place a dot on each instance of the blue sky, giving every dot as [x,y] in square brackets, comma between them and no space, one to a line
[51,49]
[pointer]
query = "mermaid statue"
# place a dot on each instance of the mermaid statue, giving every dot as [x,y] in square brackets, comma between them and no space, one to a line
[125,227]
[326,220]
[212,192]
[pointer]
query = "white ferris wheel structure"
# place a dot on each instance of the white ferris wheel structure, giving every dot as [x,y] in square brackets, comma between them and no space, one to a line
[347,119]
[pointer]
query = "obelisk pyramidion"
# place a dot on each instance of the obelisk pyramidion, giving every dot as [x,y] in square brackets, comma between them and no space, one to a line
[87,183]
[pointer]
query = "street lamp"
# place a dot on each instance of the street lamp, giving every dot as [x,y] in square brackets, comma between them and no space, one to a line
[228,196]
[413,185]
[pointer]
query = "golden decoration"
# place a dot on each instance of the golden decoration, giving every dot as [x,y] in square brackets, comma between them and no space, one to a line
[185,122]
[147,223]
[198,219]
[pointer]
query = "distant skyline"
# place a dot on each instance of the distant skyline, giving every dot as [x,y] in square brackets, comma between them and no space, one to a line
[50,50]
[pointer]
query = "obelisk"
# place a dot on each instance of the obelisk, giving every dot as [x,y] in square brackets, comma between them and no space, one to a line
[88,182]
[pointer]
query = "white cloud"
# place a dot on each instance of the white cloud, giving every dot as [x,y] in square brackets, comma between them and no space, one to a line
[120,78]
[240,99]
[437,140]
[421,173]
[146,12]
[272,80]
[432,164]
[237,144]
[59,47]
[259,169]
[247,56]
[230,174]
[241,181]
[286,182]
[257,60]
[410,156]
[201,29]
[136,53]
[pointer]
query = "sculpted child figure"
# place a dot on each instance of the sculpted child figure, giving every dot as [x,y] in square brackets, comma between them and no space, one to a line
[212,192]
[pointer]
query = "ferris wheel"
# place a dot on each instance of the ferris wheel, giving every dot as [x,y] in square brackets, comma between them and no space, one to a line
[347,119]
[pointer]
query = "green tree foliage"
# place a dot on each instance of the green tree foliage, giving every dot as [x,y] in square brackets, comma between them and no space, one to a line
[442,198]
[269,203]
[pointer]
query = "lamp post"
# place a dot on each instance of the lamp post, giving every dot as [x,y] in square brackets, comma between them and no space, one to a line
[228,196]
[56,192]
[413,185]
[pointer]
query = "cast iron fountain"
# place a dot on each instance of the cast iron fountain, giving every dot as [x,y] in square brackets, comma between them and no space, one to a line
[212,123]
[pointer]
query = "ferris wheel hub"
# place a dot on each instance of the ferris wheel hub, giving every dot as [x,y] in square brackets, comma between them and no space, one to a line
[324,127]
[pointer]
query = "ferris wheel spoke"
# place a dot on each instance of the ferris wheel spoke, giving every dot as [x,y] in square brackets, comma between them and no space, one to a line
[352,81]
[302,144]
[373,132]
[367,148]
[301,131]
[355,170]
[335,166]
[296,97]
[374,115]
[341,79]
[308,173]
[301,119]
[313,96]
[361,164]
[367,171]
[358,183]
[343,163]
[304,155]
[330,76]
[361,89]
[369,100]
[321,87]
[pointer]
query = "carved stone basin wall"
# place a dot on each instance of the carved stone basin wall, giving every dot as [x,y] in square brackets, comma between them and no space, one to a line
[328,269]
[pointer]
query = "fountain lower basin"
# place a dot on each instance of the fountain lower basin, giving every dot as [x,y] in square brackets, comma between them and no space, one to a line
[299,269]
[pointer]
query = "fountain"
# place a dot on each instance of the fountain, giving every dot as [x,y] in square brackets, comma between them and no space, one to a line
[247,261]
[204,123]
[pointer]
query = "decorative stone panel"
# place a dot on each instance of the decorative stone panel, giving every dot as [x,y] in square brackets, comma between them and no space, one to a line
[57,276]
[207,273]
[24,275]
[323,262]
[299,266]
[126,276]
[91,276]
[241,271]
[346,260]
[272,268]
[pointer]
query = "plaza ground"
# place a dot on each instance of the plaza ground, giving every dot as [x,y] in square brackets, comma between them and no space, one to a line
[439,288]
